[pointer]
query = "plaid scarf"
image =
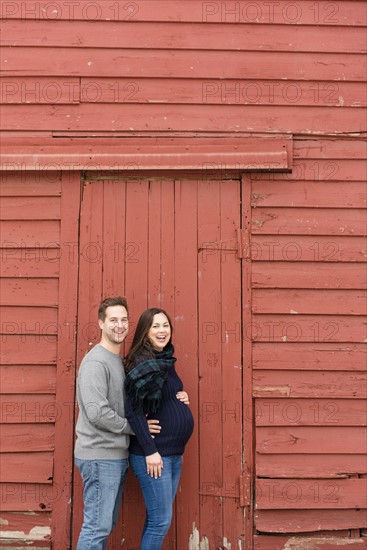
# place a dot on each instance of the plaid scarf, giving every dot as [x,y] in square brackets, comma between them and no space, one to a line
[144,382]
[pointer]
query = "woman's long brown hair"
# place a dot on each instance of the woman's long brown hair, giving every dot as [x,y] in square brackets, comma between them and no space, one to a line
[141,345]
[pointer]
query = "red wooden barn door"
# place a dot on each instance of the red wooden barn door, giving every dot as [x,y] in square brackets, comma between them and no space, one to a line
[220,366]
[174,244]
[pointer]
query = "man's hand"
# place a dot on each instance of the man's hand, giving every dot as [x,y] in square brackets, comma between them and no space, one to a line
[154,465]
[154,426]
[183,396]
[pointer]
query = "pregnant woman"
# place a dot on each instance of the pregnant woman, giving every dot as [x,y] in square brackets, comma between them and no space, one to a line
[155,391]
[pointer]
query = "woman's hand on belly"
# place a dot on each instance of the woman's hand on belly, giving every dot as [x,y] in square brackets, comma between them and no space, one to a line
[183,396]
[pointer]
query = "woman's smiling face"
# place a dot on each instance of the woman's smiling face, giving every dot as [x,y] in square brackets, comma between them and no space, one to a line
[159,333]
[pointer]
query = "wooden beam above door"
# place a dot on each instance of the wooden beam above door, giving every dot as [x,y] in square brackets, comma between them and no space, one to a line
[208,154]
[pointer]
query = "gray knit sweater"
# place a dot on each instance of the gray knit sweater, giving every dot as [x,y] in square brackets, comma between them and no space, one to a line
[102,429]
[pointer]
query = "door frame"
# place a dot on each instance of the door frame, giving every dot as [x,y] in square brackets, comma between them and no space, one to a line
[66,362]
[248,487]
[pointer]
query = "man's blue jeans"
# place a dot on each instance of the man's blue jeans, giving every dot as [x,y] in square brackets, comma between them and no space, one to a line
[159,495]
[103,482]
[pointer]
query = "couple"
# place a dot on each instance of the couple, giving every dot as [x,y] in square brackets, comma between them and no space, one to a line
[145,408]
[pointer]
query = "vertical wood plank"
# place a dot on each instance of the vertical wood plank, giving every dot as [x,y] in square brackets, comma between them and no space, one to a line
[154,243]
[210,360]
[169,252]
[186,344]
[231,381]
[114,250]
[114,243]
[90,266]
[136,278]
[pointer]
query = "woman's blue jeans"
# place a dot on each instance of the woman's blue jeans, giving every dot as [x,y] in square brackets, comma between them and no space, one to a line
[103,482]
[159,495]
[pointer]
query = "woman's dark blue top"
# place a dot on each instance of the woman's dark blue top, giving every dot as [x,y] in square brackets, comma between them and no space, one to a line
[175,419]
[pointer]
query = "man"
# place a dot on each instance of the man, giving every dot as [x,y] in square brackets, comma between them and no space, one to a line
[101,450]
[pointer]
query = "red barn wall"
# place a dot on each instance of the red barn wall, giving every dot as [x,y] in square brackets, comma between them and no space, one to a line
[158,66]
[194,69]
[309,362]
[38,319]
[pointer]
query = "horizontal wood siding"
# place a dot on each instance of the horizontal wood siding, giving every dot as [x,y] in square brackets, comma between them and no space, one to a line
[193,67]
[306,13]
[35,342]
[309,361]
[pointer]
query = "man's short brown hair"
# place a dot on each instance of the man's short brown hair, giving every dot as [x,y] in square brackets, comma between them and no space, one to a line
[107,302]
